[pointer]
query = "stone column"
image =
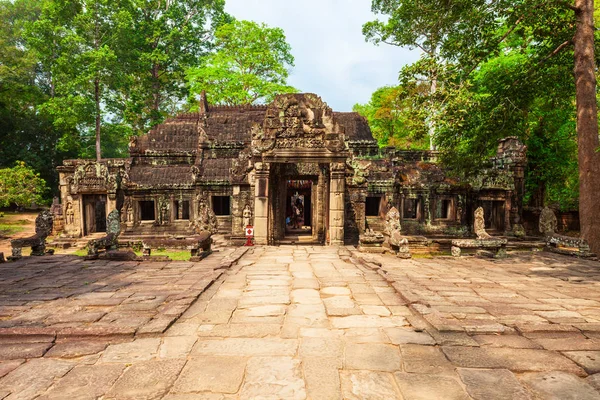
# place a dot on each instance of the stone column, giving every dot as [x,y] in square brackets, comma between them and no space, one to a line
[261,203]
[237,207]
[336,204]
[507,213]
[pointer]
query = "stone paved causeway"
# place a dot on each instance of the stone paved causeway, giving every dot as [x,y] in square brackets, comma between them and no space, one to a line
[64,296]
[316,323]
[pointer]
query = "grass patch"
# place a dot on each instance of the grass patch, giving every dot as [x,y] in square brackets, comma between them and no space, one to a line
[9,224]
[433,254]
[10,229]
[175,255]
[81,253]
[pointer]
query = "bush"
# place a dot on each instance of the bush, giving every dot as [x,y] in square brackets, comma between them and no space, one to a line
[21,186]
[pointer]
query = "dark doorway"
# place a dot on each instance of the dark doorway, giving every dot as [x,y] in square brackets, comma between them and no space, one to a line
[221,205]
[372,206]
[147,210]
[493,212]
[298,206]
[94,208]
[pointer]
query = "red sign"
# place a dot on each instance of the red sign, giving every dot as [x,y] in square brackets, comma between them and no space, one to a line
[249,235]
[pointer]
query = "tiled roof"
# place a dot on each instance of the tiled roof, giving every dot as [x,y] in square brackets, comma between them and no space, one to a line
[356,126]
[216,169]
[151,175]
[232,125]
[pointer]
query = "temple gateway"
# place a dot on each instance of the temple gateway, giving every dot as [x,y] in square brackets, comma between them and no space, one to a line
[294,169]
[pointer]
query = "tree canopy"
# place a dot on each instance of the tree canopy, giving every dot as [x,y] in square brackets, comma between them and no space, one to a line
[505,68]
[21,186]
[393,118]
[251,63]
[72,71]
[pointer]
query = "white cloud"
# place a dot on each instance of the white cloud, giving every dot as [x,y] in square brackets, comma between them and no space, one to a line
[332,58]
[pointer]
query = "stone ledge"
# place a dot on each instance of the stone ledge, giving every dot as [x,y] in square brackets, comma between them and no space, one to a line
[479,243]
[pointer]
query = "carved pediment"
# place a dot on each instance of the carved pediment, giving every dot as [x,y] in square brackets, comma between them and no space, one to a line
[91,177]
[298,121]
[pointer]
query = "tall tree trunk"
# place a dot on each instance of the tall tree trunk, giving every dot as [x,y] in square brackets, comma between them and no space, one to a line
[539,196]
[432,91]
[587,124]
[97,99]
[155,112]
[97,84]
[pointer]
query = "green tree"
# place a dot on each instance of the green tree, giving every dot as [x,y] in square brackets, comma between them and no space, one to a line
[21,186]
[75,42]
[116,68]
[25,133]
[164,39]
[496,103]
[417,24]
[72,71]
[251,63]
[554,37]
[393,119]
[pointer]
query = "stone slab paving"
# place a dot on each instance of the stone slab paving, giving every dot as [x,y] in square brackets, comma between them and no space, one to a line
[44,298]
[527,293]
[318,323]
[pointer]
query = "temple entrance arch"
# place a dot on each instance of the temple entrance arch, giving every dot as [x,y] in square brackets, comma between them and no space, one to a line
[298,208]
[94,211]
[299,140]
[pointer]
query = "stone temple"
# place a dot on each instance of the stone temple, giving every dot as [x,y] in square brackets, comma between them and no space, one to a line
[294,169]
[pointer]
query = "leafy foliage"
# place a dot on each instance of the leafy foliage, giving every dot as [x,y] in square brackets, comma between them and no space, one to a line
[251,63]
[393,119]
[21,186]
[72,70]
[164,39]
[503,68]
[25,133]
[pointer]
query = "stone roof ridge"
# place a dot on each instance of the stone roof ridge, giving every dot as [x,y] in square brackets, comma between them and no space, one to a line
[181,116]
[239,108]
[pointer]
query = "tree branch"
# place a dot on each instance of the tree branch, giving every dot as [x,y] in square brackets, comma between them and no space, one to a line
[567,5]
[502,39]
[563,3]
[553,53]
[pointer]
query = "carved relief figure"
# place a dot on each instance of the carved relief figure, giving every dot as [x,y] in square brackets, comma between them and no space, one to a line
[127,212]
[207,221]
[69,213]
[393,234]
[548,222]
[130,212]
[479,225]
[392,222]
[246,216]
[164,211]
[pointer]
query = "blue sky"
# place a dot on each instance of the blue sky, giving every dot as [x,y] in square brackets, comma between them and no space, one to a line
[332,58]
